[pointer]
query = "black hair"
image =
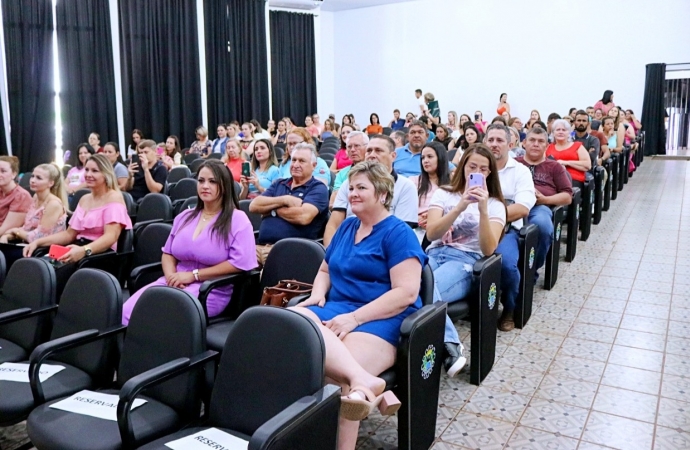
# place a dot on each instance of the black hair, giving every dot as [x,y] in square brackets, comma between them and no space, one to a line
[117,150]
[88,148]
[442,171]
[606,98]
[371,119]
[553,116]
[540,124]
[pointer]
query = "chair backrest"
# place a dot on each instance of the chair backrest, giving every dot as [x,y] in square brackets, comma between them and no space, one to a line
[178,173]
[272,358]
[73,200]
[130,204]
[426,289]
[29,284]
[189,157]
[194,165]
[3,269]
[92,299]
[254,218]
[125,243]
[387,131]
[166,324]
[149,248]
[184,189]
[215,156]
[328,157]
[280,150]
[190,203]
[332,139]
[155,206]
[25,181]
[280,264]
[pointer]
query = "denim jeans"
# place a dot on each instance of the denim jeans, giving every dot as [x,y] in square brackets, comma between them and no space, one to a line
[542,217]
[510,275]
[452,279]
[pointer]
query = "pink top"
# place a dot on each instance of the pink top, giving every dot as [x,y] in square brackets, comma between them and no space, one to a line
[75,176]
[91,224]
[32,222]
[314,130]
[342,159]
[18,200]
[423,204]
[604,108]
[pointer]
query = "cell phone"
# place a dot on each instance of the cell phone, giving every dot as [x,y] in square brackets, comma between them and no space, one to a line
[135,159]
[246,169]
[160,151]
[476,180]
[476,117]
[57,251]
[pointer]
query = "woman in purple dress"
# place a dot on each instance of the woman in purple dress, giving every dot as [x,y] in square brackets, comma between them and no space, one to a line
[212,240]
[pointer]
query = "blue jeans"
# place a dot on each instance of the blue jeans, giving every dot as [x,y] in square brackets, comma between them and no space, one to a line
[452,279]
[542,217]
[510,275]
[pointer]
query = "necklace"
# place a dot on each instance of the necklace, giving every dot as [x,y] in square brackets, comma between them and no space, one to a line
[205,216]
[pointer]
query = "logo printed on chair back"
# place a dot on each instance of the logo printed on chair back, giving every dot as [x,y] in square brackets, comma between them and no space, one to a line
[428,361]
[531,257]
[492,296]
[558,232]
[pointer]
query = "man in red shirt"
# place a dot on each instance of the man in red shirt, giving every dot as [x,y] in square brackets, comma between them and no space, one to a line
[552,187]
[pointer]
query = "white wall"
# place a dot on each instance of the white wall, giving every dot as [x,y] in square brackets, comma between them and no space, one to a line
[546,54]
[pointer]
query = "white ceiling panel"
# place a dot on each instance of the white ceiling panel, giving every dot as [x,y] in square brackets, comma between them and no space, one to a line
[341,5]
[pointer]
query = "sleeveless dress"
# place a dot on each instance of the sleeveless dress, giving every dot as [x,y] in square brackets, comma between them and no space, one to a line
[569,154]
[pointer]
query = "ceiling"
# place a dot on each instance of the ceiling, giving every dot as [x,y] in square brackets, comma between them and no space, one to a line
[341,5]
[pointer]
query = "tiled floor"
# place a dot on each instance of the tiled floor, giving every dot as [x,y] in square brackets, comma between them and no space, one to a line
[603,361]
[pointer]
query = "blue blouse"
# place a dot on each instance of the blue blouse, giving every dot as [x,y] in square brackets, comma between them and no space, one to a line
[266,178]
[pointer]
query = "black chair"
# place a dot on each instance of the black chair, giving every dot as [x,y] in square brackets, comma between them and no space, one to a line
[254,218]
[451,154]
[331,140]
[527,243]
[73,199]
[215,156]
[624,165]
[599,192]
[300,414]
[189,157]
[280,265]
[153,208]
[194,165]
[190,203]
[116,263]
[3,269]
[328,151]
[572,221]
[90,306]
[146,262]
[553,256]
[606,201]
[387,131]
[183,190]
[586,208]
[28,300]
[131,206]
[176,340]
[280,150]
[25,182]
[615,172]
[179,172]
[328,157]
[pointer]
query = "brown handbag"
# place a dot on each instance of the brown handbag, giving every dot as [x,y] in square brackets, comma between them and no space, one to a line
[283,292]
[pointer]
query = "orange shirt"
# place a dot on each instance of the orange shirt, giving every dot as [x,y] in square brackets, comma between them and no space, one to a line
[374,129]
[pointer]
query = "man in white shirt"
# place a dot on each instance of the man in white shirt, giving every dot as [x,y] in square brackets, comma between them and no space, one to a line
[517,186]
[420,99]
[380,148]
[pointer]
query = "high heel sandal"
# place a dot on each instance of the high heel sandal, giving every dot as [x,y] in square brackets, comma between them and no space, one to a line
[356,409]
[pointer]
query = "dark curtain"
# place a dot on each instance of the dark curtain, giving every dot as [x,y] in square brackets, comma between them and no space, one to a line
[3,136]
[161,88]
[236,60]
[29,54]
[653,110]
[87,91]
[293,65]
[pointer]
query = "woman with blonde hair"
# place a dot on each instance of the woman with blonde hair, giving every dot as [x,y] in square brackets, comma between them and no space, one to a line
[47,214]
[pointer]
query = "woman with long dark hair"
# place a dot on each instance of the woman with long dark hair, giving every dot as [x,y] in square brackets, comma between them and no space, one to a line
[214,239]
[264,165]
[173,153]
[112,151]
[434,173]
[464,224]
[374,126]
[606,102]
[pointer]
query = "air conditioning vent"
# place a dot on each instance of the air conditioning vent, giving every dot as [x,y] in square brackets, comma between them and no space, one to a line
[296,4]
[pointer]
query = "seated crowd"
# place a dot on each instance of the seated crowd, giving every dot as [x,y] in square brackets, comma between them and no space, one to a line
[389,201]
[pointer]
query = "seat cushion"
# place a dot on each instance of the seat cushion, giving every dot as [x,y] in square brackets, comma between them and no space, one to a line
[159,444]
[60,430]
[217,334]
[16,400]
[11,352]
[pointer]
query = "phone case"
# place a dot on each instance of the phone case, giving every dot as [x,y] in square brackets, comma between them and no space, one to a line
[476,180]
[57,251]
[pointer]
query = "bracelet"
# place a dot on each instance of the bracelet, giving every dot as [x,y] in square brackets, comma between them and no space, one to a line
[355,317]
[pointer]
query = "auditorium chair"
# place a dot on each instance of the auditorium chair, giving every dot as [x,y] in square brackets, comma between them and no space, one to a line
[387,131]
[184,189]
[188,158]
[3,269]
[280,150]
[131,205]
[90,306]
[153,208]
[328,158]
[585,224]
[190,203]
[254,218]
[148,253]
[176,174]
[527,245]
[615,173]
[26,307]
[606,201]
[154,343]
[572,221]
[269,389]
[624,164]
[599,192]
[215,156]
[25,182]
[194,165]
[553,256]
[331,140]
[73,200]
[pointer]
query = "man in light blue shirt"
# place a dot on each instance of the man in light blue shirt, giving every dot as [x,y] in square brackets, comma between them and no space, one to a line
[407,162]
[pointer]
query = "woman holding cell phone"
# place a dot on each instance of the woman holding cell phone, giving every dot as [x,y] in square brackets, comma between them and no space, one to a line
[258,175]
[465,222]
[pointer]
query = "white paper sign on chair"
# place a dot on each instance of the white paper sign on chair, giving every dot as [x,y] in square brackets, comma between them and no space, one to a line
[94,404]
[19,372]
[211,438]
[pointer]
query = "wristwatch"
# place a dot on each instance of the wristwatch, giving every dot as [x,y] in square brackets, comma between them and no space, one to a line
[87,251]
[195,272]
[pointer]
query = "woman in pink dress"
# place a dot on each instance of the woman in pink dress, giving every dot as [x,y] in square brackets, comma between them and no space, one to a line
[214,239]
[341,159]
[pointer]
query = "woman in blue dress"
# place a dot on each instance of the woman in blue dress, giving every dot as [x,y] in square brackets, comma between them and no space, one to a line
[264,171]
[367,285]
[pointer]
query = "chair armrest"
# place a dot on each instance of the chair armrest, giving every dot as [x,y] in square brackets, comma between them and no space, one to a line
[40,251]
[143,223]
[305,421]
[47,349]
[131,389]
[421,316]
[294,301]
[215,283]
[24,313]
[115,263]
[148,273]
[481,264]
